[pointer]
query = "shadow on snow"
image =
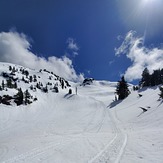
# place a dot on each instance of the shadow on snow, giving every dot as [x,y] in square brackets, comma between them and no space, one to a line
[114,103]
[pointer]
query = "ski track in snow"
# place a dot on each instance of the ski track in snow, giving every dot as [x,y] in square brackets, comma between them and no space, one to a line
[36,152]
[114,150]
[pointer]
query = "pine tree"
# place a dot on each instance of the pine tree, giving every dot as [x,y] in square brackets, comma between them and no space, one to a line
[26,73]
[13,69]
[156,78]
[10,68]
[162,76]
[70,91]
[161,94]
[62,84]
[45,89]
[38,85]
[30,78]
[23,78]
[15,85]
[19,97]
[3,85]
[145,81]
[55,89]
[31,87]
[23,71]
[27,97]
[9,83]
[122,89]
[34,78]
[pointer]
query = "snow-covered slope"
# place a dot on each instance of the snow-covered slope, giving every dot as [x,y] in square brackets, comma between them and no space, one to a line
[37,82]
[87,127]
[144,129]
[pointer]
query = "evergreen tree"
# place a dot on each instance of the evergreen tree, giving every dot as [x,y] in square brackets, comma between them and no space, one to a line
[30,78]
[70,91]
[38,85]
[62,84]
[26,73]
[162,76]
[3,85]
[31,87]
[55,89]
[23,71]
[9,83]
[13,69]
[27,97]
[122,89]
[161,94]
[35,78]
[145,81]
[19,97]
[10,68]
[156,78]
[45,89]
[23,78]
[15,85]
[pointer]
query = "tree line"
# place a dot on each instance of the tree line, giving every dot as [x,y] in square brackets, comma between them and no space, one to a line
[156,78]
[147,80]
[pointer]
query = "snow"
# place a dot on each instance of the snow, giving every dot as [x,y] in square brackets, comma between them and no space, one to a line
[87,127]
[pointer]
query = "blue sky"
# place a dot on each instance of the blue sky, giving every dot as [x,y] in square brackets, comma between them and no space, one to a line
[87,33]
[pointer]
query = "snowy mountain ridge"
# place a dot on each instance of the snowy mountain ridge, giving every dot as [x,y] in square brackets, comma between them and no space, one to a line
[89,126]
[13,77]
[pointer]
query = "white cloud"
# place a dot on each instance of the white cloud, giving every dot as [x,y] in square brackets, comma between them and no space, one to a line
[119,37]
[72,45]
[75,54]
[111,62]
[15,48]
[89,72]
[139,55]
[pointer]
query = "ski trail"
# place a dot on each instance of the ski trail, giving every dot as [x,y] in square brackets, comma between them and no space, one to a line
[122,150]
[114,150]
[36,152]
[102,151]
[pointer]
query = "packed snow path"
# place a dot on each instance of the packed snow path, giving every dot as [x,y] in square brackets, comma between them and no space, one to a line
[52,144]
[114,150]
[83,128]
[110,152]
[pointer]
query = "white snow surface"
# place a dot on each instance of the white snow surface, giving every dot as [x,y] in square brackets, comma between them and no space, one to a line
[89,127]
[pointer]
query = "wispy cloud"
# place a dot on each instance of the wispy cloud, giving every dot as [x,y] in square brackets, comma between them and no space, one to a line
[111,62]
[75,54]
[88,72]
[15,48]
[72,45]
[119,37]
[139,55]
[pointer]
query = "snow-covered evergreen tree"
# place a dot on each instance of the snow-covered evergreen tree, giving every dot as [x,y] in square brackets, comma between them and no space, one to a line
[19,97]
[161,93]
[145,81]
[122,89]
[27,97]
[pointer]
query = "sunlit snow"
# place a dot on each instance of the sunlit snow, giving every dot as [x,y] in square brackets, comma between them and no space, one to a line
[87,127]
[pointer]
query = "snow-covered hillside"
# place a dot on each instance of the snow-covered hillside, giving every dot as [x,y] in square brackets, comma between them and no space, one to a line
[36,82]
[87,127]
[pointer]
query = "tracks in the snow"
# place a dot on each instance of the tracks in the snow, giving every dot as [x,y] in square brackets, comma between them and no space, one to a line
[33,153]
[97,122]
[113,151]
